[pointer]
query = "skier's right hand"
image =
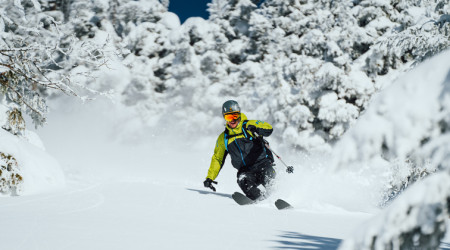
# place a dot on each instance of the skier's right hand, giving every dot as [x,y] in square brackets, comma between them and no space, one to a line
[208,184]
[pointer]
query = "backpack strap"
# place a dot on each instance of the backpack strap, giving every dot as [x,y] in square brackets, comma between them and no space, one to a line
[225,139]
[245,131]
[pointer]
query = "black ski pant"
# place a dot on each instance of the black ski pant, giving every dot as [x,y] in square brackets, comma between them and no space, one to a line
[250,177]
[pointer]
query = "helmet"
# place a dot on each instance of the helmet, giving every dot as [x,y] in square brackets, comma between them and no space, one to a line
[230,106]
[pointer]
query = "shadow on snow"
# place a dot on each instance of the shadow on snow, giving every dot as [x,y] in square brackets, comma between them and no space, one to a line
[210,192]
[444,246]
[293,240]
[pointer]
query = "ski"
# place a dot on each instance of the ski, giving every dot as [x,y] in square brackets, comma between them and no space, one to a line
[281,204]
[241,199]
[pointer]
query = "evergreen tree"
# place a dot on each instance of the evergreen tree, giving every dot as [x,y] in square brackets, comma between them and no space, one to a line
[34,57]
[316,64]
[327,55]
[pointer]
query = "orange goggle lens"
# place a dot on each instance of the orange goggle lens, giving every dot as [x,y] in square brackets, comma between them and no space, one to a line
[230,117]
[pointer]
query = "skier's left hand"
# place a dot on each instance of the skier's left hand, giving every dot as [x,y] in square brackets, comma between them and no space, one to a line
[251,128]
[255,133]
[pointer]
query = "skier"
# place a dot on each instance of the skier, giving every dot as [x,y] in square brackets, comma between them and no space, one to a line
[242,139]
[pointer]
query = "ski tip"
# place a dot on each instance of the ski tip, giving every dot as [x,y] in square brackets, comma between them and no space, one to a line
[281,204]
[241,199]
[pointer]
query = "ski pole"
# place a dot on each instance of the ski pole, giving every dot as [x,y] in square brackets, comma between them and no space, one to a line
[289,169]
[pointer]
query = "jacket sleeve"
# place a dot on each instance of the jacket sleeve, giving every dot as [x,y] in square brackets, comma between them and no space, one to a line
[218,158]
[262,128]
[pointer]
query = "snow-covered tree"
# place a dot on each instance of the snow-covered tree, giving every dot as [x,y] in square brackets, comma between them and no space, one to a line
[313,65]
[413,31]
[35,56]
[144,31]
[326,57]
[39,56]
[232,16]
[407,125]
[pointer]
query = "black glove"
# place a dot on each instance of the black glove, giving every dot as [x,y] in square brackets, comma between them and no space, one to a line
[208,184]
[251,128]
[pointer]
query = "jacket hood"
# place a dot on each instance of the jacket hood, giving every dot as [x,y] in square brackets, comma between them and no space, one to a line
[238,128]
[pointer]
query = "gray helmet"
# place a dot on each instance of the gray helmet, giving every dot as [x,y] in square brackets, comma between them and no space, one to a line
[230,106]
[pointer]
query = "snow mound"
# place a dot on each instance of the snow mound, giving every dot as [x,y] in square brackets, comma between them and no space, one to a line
[40,171]
[416,220]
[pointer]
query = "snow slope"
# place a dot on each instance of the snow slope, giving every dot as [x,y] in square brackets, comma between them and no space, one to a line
[135,187]
[149,195]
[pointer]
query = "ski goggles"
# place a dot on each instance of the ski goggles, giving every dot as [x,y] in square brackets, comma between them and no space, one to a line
[232,116]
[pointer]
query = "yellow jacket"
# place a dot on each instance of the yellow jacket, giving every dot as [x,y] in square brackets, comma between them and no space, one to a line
[242,146]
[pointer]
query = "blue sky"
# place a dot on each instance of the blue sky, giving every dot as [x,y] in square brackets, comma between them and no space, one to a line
[185,8]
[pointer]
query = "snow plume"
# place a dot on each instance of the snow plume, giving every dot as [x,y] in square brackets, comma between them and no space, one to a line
[314,187]
[407,122]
